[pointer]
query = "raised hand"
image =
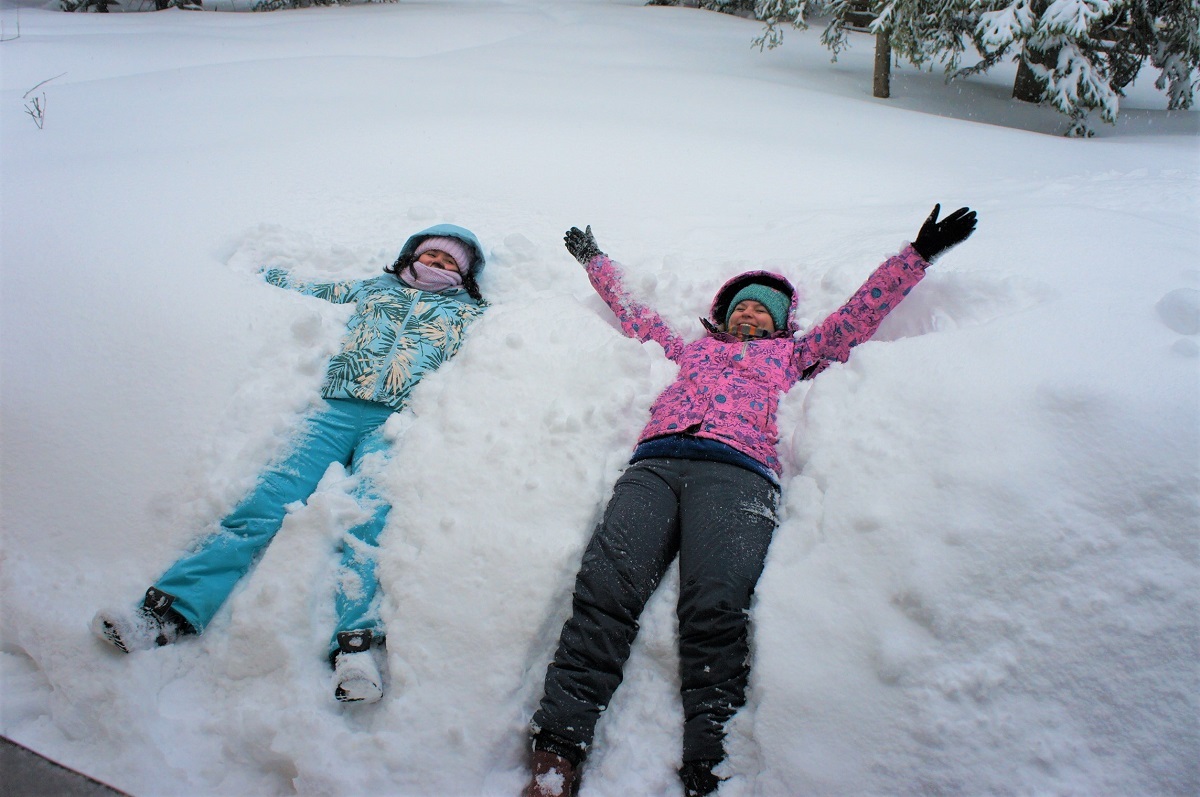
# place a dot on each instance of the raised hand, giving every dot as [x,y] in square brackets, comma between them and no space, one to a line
[936,236]
[581,244]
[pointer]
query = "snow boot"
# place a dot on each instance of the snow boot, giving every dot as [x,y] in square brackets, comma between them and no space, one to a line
[698,778]
[356,675]
[551,775]
[153,624]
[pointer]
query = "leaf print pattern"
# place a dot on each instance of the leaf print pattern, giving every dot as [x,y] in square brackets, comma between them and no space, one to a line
[435,332]
[399,369]
[335,292]
[396,335]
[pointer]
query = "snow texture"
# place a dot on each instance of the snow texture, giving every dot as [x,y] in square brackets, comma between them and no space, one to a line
[985,579]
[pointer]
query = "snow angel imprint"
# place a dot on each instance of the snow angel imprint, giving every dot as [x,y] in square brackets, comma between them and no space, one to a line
[407,322]
[702,486]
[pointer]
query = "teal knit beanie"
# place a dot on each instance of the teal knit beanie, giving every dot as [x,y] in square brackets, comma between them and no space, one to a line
[776,302]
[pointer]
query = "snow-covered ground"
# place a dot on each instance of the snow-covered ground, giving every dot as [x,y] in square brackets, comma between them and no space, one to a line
[986,579]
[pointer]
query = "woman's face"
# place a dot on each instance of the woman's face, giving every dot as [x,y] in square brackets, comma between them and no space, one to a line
[752,312]
[436,258]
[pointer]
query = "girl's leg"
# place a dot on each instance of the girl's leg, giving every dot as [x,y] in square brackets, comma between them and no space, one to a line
[624,561]
[728,515]
[355,601]
[197,584]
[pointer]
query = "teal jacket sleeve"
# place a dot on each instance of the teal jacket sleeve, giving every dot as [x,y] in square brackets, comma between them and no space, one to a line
[337,292]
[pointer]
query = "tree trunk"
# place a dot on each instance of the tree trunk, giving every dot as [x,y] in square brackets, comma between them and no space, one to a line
[1027,87]
[883,65]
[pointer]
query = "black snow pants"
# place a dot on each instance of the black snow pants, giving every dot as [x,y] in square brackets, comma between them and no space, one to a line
[719,519]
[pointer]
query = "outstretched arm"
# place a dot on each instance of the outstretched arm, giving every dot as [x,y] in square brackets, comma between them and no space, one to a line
[336,292]
[637,320]
[857,320]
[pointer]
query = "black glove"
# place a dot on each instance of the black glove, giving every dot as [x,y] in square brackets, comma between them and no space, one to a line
[581,244]
[936,236]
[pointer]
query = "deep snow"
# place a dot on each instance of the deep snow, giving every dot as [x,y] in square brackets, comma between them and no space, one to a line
[986,577]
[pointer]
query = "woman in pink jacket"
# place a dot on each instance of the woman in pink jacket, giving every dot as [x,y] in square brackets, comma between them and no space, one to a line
[703,486]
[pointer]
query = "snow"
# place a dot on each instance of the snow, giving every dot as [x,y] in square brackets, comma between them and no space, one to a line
[985,580]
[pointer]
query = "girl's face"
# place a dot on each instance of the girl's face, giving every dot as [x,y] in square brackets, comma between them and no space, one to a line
[436,258]
[752,312]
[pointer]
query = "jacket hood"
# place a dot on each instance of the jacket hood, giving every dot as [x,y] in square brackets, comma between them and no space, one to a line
[720,305]
[449,231]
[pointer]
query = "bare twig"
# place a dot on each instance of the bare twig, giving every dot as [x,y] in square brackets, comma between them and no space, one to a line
[36,107]
[44,82]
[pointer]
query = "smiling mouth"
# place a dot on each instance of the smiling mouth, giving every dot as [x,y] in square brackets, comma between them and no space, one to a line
[747,331]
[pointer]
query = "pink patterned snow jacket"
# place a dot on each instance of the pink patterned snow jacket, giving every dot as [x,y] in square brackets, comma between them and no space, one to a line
[727,389]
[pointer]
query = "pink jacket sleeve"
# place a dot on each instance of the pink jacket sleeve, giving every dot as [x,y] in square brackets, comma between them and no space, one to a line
[637,320]
[859,318]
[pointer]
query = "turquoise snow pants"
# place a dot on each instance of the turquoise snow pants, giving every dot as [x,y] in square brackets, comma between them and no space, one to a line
[345,431]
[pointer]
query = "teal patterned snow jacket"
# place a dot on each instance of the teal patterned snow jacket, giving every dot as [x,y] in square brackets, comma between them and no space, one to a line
[397,333]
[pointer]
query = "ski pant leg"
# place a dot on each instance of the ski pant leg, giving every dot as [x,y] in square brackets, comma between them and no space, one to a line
[727,519]
[623,564]
[201,580]
[356,597]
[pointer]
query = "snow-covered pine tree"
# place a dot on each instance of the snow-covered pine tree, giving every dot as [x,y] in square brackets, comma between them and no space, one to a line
[740,8]
[101,6]
[844,16]
[1080,55]
[777,15]
[921,31]
[925,32]
[1166,33]
[1062,50]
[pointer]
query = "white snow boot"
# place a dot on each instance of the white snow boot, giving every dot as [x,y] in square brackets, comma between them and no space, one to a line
[356,678]
[356,673]
[153,624]
[133,630]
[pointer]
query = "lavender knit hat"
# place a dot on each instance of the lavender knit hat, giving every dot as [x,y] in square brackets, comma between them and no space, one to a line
[458,250]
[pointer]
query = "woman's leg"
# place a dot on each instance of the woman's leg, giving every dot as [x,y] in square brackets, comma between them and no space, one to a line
[728,515]
[624,561]
[355,601]
[197,584]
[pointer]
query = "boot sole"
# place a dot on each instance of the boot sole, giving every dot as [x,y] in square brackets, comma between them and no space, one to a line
[108,632]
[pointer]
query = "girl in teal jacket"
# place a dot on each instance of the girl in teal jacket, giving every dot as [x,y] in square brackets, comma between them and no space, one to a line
[406,323]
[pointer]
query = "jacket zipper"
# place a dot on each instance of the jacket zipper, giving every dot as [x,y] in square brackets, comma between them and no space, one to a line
[380,389]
